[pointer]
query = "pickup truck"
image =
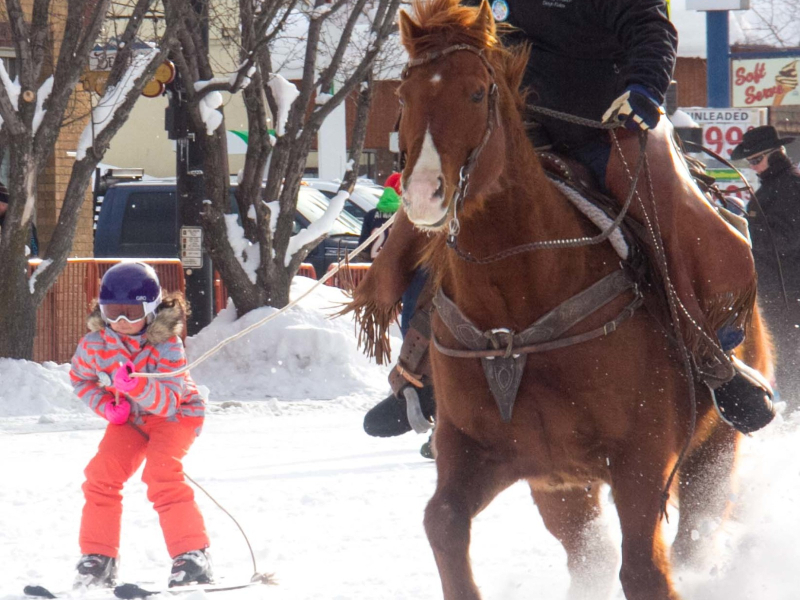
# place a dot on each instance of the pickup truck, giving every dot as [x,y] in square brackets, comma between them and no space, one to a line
[139,219]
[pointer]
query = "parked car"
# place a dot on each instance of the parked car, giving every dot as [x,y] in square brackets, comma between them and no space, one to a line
[364,198]
[140,220]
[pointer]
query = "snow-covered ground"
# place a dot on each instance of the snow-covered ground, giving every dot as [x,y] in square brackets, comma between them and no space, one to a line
[333,513]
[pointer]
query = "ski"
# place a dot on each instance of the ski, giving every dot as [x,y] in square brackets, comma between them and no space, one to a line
[132,591]
[38,591]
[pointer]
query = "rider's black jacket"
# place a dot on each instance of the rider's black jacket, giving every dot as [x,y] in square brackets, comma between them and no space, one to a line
[585,53]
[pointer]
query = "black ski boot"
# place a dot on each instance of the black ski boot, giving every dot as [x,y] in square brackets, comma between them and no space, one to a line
[389,417]
[96,570]
[746,401]
[191,567]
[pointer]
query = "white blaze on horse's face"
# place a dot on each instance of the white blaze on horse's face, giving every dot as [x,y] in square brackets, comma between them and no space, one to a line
[423,190]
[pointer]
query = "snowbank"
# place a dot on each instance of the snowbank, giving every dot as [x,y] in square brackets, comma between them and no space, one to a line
[302,354]
[33,389]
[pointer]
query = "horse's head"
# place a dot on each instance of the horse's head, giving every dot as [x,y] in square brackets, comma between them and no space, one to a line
[456,88]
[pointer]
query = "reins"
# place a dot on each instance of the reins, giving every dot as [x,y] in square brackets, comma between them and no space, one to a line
[455,227]
[492,119]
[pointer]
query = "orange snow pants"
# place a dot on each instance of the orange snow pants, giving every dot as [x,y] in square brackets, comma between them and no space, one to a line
[120,454]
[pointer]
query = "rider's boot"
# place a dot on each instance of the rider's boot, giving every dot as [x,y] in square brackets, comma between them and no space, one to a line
[746,401]
[390,417]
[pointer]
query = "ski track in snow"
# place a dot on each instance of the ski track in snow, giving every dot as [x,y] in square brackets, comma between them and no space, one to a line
[336,515]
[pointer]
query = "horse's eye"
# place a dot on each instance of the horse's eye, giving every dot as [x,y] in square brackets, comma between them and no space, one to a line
[478,96]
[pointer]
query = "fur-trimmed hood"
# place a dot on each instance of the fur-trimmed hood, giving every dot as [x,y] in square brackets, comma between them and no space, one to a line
[168,322]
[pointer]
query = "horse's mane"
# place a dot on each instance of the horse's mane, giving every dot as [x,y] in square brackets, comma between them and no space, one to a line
[447,23]
[444,23]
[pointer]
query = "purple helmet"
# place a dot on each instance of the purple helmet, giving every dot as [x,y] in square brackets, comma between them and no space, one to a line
[131,283]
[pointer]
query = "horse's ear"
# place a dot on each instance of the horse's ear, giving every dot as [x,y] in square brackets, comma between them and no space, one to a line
[484,22]
[409,30]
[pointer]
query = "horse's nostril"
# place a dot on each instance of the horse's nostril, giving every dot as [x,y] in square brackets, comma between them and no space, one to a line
[439,193]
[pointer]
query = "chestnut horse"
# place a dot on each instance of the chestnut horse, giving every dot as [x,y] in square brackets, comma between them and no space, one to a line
[614,408]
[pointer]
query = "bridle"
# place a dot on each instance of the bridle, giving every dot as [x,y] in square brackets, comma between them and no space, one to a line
[492,119]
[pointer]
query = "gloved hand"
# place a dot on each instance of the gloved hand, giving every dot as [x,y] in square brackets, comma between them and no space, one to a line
[123,381]
[117,414]
[636,108]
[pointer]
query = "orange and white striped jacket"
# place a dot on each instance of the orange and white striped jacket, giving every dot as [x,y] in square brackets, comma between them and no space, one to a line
[158,350]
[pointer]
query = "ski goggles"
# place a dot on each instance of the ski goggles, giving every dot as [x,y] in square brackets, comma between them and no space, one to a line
[113,313]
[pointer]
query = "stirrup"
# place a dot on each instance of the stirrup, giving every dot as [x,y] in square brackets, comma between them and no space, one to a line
[746,402]
[416,418]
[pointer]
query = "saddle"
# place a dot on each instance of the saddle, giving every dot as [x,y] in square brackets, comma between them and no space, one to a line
[676,207]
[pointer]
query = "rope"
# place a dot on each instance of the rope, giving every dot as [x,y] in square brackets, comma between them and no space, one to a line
[570,242]
[264,578]
[274,315]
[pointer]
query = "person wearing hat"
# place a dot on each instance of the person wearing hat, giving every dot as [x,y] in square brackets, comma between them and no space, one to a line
[387,205]
[779,197]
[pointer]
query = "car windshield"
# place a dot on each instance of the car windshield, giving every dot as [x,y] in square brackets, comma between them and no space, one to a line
[312,204]
[368,194]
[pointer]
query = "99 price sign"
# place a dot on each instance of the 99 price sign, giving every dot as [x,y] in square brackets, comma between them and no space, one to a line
[722,139]
[723,128]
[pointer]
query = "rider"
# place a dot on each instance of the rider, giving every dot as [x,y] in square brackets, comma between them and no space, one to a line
[622,53]
[613,60]
[583,56]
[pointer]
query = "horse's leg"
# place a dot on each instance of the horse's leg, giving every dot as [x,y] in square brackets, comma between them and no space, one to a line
[466,483]
[637,480]
[706,484]
[572,516]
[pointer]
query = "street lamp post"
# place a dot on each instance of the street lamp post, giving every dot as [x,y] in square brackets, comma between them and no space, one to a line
[198,271]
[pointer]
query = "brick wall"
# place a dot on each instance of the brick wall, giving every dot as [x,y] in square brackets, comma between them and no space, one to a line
[52,183]
[690,73]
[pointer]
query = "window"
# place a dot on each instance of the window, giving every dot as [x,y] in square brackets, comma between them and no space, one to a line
[312,204]
[367,166]
[355,210]
[9,58]
[150,219]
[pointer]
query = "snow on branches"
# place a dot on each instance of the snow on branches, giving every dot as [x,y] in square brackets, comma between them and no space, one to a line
[112,99]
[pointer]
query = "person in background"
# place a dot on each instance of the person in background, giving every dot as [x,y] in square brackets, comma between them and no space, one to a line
[387,205]
[152,420]
[779,198]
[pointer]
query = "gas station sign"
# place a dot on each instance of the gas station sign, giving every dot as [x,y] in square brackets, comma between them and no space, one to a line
[723,129]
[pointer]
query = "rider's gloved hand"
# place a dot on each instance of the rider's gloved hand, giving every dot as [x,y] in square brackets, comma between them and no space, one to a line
[636,109]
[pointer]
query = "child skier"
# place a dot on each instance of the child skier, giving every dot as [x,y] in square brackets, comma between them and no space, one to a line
[152,420]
